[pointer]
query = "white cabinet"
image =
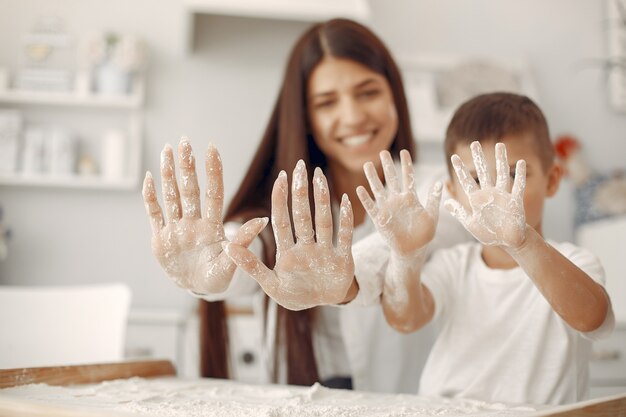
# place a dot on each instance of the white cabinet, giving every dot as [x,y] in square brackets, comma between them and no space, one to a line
[608,366]
[174,335]
[293,10]
[156,334]
[90,115]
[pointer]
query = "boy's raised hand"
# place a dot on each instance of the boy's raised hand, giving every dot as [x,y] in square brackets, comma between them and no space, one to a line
[399,217]
[308,272]
[496,215]
[188,243]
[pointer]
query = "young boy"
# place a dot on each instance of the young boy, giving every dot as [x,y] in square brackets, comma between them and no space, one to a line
[516,313]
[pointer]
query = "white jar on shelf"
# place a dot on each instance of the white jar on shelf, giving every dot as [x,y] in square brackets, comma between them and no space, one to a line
[112,80]
[113,161]
[62,151]
[33,155]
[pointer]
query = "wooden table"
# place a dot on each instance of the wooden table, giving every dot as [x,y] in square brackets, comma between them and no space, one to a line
[157,392]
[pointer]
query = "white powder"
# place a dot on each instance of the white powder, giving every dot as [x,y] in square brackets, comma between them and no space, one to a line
[173,397]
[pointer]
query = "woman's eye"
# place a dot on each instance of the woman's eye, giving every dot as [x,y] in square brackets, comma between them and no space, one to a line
[369,93]
[323,104]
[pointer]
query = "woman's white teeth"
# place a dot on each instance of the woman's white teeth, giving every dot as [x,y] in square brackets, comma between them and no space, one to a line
[356,140]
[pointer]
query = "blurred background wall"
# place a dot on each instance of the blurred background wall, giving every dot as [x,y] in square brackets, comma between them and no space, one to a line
[223,89]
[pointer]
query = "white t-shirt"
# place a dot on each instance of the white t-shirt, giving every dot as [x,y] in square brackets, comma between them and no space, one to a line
[500,340]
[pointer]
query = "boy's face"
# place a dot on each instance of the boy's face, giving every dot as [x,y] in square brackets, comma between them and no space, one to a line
[539,182]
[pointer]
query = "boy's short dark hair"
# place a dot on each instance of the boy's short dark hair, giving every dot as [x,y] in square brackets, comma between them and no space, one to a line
[489,117]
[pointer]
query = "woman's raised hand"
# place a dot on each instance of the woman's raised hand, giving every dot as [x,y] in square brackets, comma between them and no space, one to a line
[309,271]
[399,217]
[187,242]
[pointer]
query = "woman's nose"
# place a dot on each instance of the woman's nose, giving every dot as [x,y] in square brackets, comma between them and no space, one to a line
[351,112]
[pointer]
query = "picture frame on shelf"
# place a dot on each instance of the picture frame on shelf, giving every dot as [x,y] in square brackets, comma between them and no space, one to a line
[436,85]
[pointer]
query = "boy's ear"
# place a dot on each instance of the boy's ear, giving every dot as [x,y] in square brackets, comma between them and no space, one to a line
[555,173]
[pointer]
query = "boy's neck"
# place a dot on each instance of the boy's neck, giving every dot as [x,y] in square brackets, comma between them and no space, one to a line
[496,257]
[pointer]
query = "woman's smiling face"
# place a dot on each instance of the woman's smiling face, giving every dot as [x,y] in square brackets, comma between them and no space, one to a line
[351,111]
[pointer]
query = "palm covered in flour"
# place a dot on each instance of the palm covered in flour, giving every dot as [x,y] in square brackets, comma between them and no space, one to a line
[188,243]
[309,271]
[404,223]
[496,215]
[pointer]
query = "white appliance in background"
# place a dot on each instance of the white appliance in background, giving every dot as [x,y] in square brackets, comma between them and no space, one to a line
[607,240]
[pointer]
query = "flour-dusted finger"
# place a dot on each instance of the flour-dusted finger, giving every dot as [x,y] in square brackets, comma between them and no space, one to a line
[346,226]
[503,172]
[376,185]
[169,186]
[519,184]
[152,205]
[389,169]
[249,231]
[250,263]
[281,221]
[465,179]
[300,205]
[458,211]
[408,173]
[480,163]
[323,210]
[368,203]
[189,189]
[214,185]
[434,199]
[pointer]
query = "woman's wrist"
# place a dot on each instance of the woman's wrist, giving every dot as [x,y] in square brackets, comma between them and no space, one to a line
[353,290]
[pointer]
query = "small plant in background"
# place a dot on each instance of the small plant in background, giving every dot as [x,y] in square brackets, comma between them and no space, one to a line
[5,235]
[113,59]
[126,52]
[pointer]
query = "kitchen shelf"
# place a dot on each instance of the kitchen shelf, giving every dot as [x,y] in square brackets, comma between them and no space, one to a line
[71,99]
[67,181]
[130,105]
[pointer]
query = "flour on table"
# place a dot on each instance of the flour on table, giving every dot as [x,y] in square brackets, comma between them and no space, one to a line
[173,397]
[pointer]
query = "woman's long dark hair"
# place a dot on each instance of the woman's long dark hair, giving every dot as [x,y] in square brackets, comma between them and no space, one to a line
[286,140]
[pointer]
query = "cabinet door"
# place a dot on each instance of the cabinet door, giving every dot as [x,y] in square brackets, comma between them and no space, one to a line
[608,366]
[155,335]
[246,348]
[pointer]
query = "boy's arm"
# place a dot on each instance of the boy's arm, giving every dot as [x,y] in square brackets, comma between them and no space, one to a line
[497,218]
[408,305]
[576,297]
[407,227]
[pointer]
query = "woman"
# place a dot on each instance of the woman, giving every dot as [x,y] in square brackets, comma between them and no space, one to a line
[340,104]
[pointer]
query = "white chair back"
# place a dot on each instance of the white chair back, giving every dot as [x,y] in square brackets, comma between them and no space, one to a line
[62,325]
